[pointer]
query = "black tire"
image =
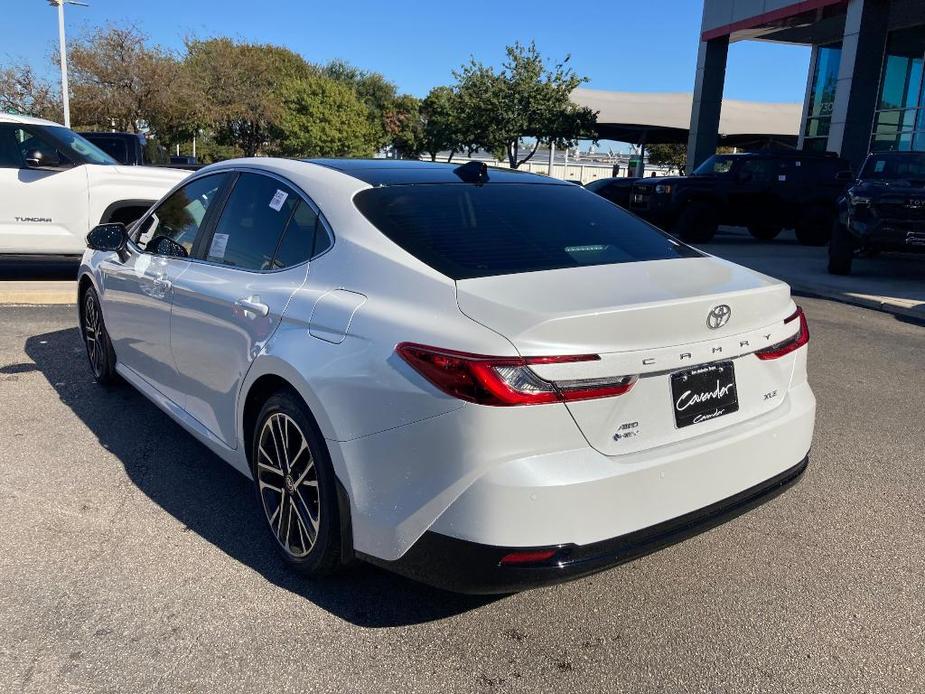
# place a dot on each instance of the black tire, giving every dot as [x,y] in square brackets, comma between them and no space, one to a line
[841,250]
[697,223]
[764,232]
[300,506]
[814,227]
[96,339]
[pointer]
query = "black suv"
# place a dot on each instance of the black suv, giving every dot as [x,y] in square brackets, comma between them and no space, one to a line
[765,191]
[883,211]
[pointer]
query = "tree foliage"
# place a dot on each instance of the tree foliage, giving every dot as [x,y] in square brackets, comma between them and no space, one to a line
[322,118]
[240,86]
[674,156]
[117,79]
[441,121]
[25,93]
[528,97]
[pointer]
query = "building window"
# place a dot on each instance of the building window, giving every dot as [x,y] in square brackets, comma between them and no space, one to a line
[822,97]
[899,122]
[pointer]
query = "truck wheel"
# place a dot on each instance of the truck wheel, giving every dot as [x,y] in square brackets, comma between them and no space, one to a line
[697,223]
[815,226]
[764,232]
[841,250]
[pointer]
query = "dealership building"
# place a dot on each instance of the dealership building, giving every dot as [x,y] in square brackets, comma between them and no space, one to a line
[864,90]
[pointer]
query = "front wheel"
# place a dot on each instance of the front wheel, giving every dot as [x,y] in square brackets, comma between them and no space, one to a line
[96,339]
[697,223]
[764,232]
[841,250]
[295,486]
[815,226]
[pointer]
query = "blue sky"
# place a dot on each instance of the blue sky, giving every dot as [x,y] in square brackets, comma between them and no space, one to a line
[624,45]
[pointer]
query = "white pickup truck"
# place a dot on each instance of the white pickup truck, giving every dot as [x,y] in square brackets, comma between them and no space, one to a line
[55,186]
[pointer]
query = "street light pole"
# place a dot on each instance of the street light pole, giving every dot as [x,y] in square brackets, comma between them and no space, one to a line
[65,100]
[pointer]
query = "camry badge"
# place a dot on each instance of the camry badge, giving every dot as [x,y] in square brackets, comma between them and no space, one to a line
[718,316]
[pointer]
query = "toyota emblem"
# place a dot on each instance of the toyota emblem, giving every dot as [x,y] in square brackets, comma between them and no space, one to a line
[718,316]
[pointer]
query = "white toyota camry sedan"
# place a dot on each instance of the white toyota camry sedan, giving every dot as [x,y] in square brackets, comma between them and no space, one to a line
[483,379]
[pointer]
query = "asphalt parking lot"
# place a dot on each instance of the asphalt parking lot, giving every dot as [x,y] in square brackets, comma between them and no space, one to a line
[131,559]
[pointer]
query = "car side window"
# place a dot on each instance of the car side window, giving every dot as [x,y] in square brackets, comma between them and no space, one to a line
[180,216]
[259,208]
[298,240]
[761,170]
[10,155]
[29,140]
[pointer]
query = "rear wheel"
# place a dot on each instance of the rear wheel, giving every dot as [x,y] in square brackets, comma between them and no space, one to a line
[697,223]
[814,227]
[764,232]
[841,250]
[295,485]
[96,339]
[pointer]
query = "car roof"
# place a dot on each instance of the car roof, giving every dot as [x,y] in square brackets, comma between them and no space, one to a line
[387,172]
[784,154]
[25,120]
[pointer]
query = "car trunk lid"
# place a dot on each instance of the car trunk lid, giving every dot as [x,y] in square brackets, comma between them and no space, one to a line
[649,319]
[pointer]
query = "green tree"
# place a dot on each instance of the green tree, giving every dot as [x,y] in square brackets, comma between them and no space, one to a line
[404,127]
[673,156]
[25,93]
[118,79]
[527,98]
[441,127]
[240,86]
[375,91]
[322,118]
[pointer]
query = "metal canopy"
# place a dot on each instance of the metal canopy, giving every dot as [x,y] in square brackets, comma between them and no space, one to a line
[664,118]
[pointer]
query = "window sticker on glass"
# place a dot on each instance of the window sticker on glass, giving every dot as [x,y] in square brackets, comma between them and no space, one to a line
[219,244]
[879,166]
[278,199]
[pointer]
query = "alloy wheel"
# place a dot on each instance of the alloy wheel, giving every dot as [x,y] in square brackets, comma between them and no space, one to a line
[288,484]
[94,334]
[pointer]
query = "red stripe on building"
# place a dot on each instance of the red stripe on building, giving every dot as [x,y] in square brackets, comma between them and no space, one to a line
[768,17]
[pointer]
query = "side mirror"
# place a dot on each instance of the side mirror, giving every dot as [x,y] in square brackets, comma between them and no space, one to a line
[37,159]
[844,176]
[107,237]
[164,245]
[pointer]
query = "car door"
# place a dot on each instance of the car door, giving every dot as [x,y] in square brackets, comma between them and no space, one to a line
[231,299]
[41,210]
[751,191]
[138,285]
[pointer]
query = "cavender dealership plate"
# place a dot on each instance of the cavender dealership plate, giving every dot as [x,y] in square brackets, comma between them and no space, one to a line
[705,393]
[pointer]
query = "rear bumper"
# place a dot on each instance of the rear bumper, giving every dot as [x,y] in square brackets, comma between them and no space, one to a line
[470,567]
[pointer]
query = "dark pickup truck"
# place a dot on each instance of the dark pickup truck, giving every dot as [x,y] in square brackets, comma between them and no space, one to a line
[764,191]
[134,149]
[883,211]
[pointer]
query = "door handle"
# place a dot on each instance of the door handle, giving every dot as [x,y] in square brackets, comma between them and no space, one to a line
[253,305]
[162,284]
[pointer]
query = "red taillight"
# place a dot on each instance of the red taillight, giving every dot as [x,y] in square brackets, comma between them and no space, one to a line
[535,556]
[791,343]
[502,381]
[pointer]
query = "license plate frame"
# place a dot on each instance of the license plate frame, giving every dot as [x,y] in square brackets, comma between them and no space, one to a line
[703,393]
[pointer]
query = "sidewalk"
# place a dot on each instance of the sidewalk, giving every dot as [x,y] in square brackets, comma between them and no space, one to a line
[890,282]
[36,280]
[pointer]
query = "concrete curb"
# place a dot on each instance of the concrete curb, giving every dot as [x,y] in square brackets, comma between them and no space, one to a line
[38,293]
[869,302]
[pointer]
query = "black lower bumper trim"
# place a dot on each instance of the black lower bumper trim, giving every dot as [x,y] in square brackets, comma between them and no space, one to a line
[469,567]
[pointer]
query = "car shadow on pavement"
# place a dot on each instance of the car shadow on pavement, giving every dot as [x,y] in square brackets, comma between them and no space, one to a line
[213,500]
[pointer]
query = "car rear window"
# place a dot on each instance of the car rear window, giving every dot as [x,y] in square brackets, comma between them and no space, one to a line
[465,231]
